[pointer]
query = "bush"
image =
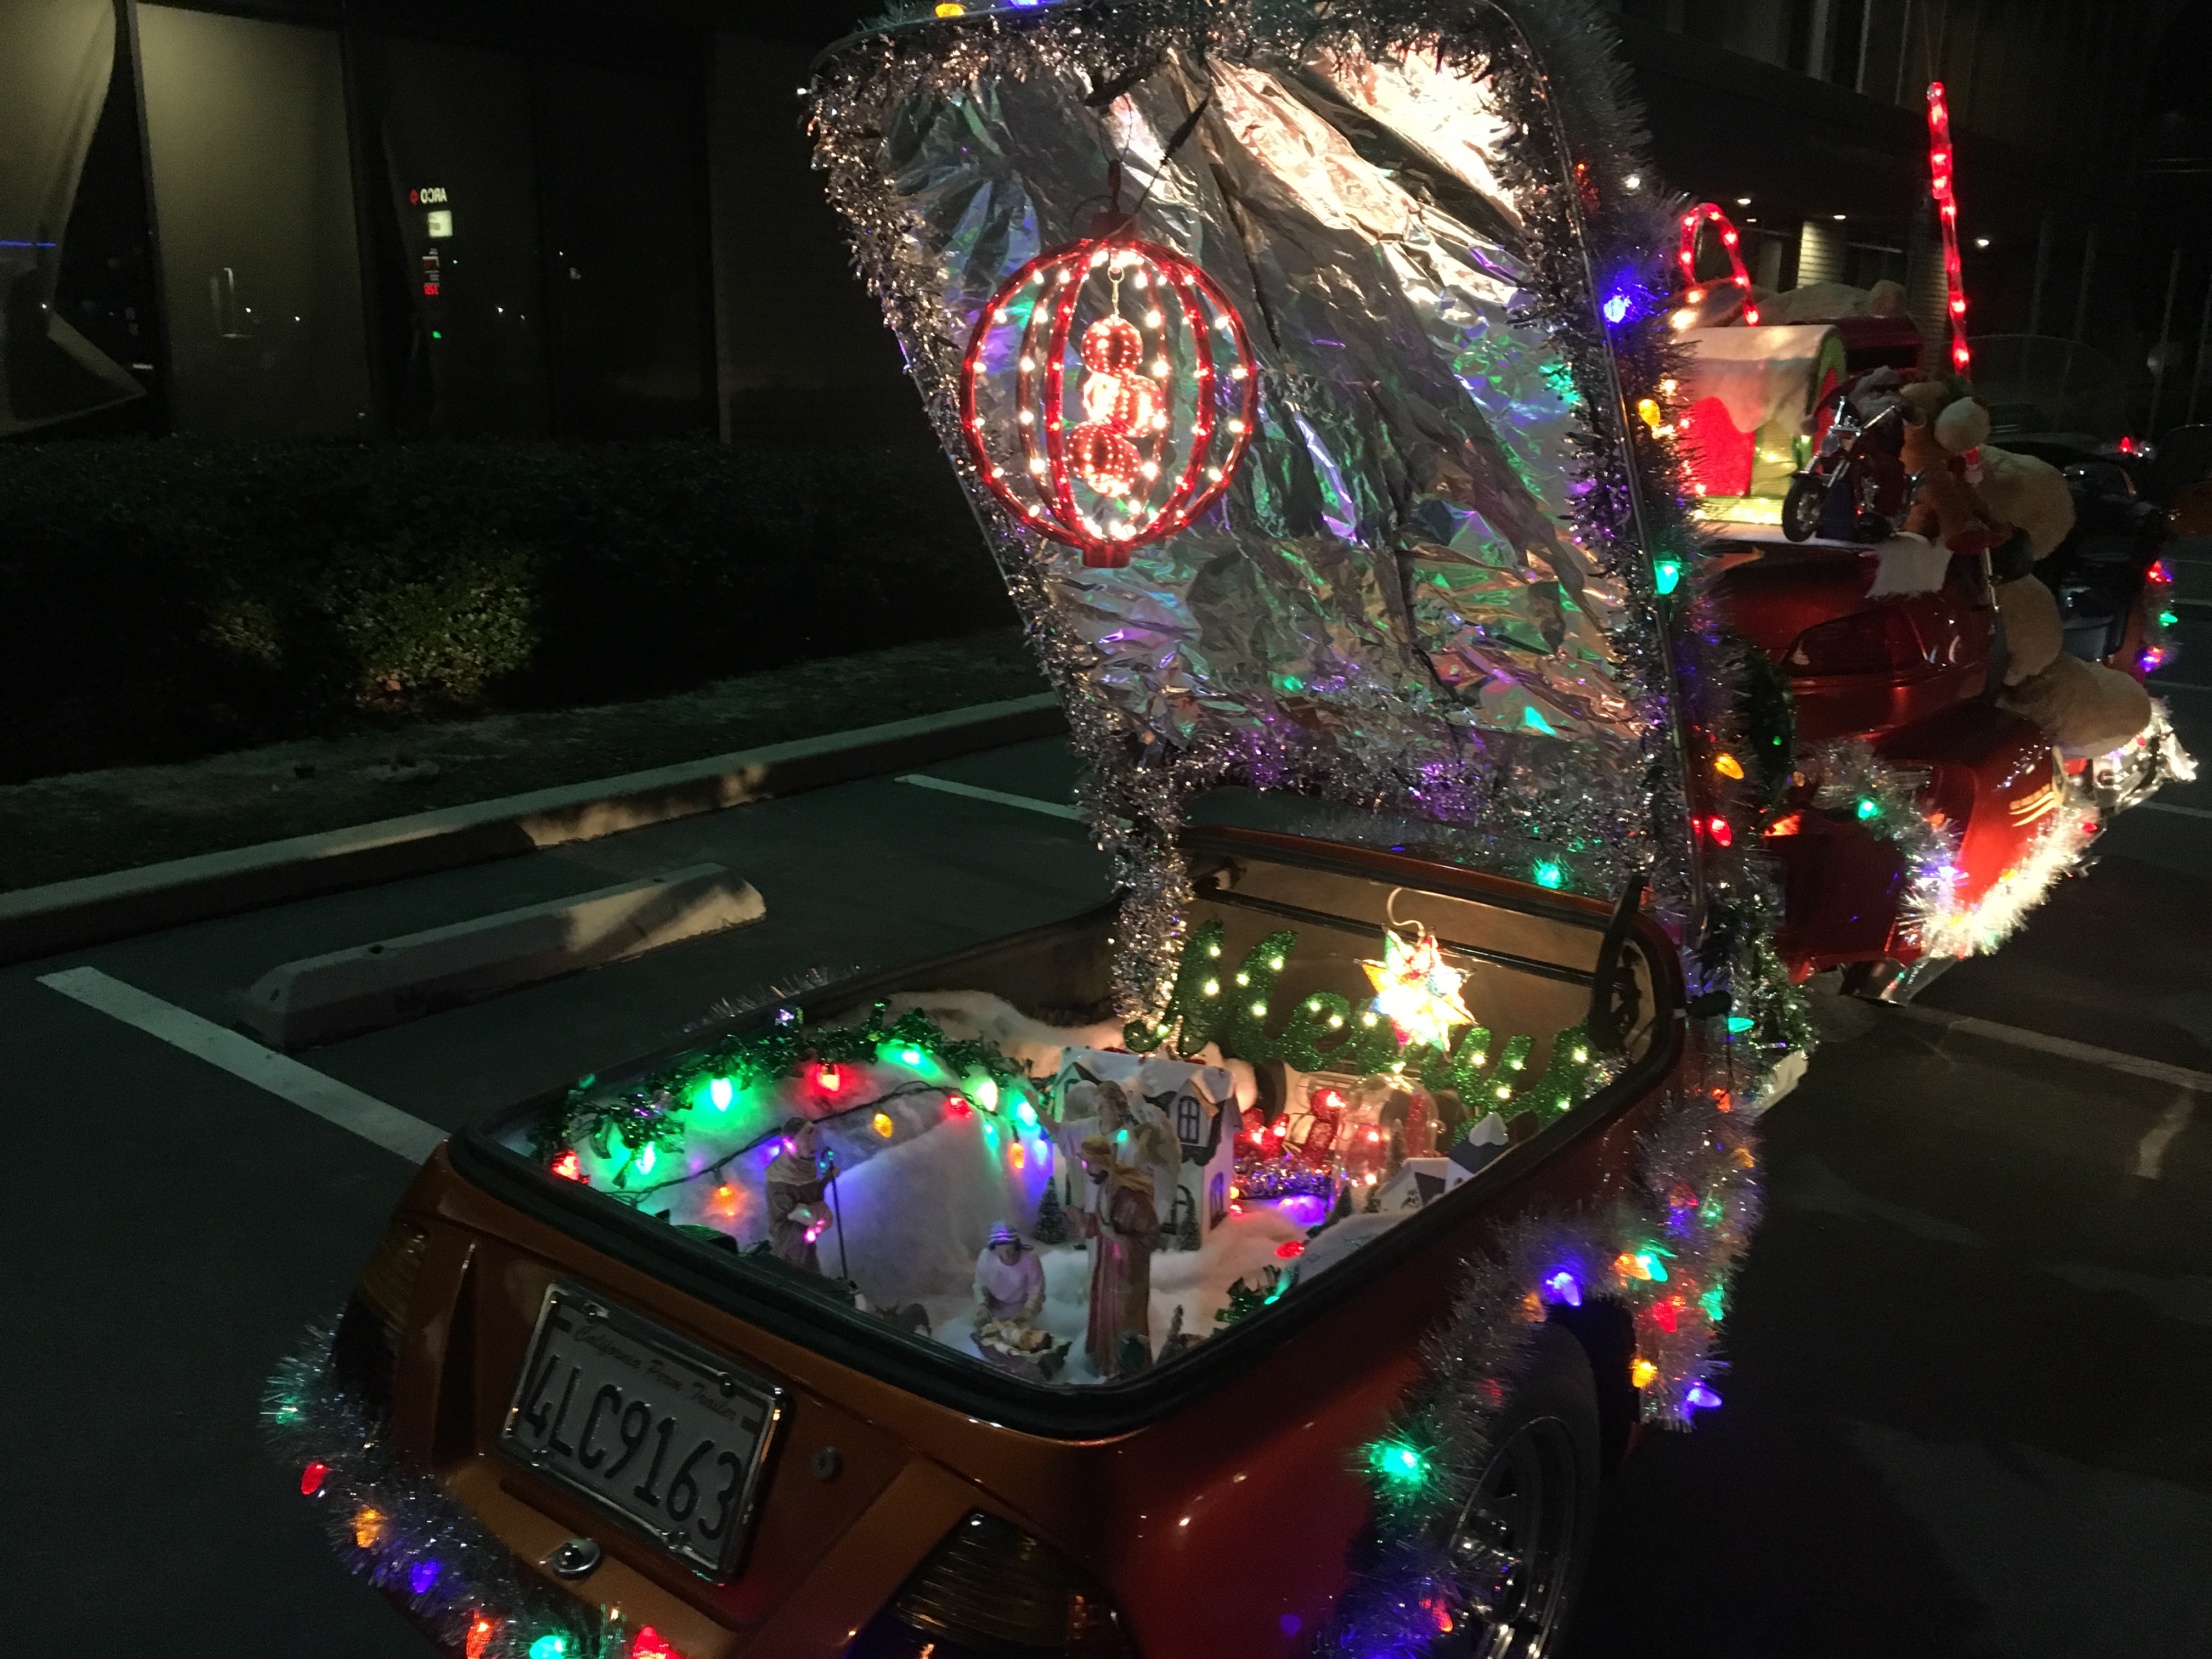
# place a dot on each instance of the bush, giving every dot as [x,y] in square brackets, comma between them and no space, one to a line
[168,598]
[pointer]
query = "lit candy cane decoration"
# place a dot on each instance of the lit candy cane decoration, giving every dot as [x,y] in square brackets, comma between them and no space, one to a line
[1947,213]
[1163,403]
[1693,222]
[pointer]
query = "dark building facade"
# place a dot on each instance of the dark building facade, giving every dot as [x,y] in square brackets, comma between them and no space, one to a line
[386,218]
[383,220]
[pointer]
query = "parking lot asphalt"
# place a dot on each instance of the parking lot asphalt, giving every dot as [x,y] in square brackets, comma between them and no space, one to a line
[1965,1406]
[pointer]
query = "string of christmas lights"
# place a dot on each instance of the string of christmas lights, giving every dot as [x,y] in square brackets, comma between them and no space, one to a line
[406,1534]
[1941,172]
[648,1117]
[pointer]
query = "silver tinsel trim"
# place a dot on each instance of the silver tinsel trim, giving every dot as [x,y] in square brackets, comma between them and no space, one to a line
[409,1537]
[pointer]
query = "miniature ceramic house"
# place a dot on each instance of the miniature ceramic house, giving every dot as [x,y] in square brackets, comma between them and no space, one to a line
[1196,1103]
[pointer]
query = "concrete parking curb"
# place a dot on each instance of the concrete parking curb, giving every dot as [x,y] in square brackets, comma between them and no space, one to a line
[69,915]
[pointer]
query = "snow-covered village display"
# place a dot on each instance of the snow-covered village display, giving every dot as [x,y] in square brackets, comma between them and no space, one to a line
[1075,1204]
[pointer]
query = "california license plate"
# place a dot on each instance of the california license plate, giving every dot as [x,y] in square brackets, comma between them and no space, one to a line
[658,1433]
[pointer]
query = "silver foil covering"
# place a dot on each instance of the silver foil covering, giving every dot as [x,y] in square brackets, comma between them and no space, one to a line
[1393,608]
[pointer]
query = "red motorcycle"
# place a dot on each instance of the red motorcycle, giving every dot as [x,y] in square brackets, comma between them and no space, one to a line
[1921,819]
[1863,884]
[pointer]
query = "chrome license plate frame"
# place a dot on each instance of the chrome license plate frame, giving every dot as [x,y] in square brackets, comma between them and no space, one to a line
[709,1421]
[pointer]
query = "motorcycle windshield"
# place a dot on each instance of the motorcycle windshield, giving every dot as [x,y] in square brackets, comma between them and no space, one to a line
[1395,609]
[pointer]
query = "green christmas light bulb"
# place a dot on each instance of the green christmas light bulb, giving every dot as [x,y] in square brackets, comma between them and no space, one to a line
[1401,1465]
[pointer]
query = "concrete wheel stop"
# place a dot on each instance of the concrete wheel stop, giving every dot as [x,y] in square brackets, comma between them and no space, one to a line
[366,988]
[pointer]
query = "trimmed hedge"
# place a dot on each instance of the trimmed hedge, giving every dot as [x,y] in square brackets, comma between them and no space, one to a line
[161,599]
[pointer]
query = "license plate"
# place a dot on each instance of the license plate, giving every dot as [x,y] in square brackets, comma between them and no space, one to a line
[657,1432]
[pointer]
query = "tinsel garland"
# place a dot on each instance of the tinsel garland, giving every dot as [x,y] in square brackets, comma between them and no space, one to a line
[406,1534]
[2057,851]
[1854,783]
[1664,1255]
[1851,782]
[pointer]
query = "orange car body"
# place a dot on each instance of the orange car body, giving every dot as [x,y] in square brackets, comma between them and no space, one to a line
[1212,1500]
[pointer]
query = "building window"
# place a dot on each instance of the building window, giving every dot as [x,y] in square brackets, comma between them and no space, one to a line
[1190,1123]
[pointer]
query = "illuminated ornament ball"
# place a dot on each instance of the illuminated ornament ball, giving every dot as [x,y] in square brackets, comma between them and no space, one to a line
[1108,394]
[1417,991]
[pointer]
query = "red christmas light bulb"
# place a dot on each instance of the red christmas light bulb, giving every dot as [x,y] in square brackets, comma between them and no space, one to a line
[477,1643]
[312,1479]
[827,1079]
[568,1166]
[651,1644]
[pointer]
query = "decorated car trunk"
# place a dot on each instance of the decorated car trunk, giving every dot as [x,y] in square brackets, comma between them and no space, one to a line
[1363,1177]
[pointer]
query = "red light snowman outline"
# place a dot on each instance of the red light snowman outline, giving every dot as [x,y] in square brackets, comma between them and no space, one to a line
[1139,416]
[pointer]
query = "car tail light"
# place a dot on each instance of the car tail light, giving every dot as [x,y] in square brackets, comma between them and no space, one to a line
[991,1591]
[366,1348]
[1871,643]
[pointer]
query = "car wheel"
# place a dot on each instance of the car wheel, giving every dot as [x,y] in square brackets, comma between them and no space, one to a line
[1801,508]
[1521,1546]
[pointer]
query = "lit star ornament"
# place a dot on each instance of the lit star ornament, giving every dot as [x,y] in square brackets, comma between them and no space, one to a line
[1417,991]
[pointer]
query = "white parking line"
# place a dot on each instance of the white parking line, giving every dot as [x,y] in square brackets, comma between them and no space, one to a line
[2112,1060]
[325,1097]
[2150,1152]
[1027,803]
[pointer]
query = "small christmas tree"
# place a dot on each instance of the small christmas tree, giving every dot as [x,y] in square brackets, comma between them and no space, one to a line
[1187,1236]
[1342,1209]
[1245,1299]
[1051,1219]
